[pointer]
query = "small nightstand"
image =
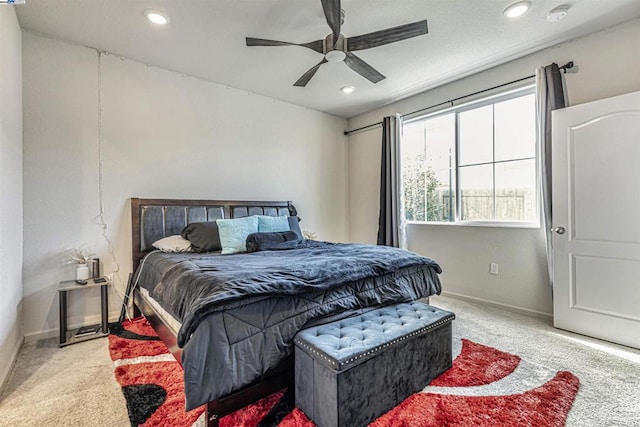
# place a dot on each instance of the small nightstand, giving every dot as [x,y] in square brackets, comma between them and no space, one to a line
[68,337]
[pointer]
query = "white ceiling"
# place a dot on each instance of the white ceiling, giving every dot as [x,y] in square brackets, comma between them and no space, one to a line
[207,39]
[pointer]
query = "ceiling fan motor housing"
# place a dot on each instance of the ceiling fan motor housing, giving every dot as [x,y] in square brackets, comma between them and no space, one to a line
[329,44]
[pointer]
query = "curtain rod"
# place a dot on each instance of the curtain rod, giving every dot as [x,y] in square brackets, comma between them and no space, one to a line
[564,68]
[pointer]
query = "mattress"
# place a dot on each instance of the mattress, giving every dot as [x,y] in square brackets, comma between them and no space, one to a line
[168,319]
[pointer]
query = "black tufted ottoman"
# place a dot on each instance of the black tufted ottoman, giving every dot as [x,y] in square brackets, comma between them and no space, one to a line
[349,372]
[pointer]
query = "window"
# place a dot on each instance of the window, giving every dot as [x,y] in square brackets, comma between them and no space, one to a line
[473,163]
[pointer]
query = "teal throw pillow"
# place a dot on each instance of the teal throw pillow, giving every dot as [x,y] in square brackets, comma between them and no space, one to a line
[234,232]
[272,224]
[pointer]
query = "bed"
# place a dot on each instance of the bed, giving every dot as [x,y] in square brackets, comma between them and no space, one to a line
[230,319]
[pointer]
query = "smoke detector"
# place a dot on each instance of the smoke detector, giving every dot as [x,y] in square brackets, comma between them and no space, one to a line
[558,13]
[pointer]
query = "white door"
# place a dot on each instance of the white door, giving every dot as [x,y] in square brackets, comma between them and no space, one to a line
[596,219]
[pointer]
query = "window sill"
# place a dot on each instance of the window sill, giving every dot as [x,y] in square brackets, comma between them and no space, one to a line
[490,224]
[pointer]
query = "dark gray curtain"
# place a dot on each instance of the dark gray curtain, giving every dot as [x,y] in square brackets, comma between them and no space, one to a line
[391,222]
[549,96]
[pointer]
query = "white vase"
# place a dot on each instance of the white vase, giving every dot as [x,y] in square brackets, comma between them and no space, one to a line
[82,272]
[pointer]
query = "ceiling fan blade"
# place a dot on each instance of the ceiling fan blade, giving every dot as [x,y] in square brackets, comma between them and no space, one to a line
[332,13]
[263,42]
[390,35]
[302,81]
[362,68]
[315,45]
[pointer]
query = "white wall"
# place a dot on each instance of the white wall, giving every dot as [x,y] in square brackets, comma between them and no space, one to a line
[10,189]
[608,65]
[164,135]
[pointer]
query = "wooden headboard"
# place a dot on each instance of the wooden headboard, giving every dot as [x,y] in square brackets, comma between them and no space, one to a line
[153,219]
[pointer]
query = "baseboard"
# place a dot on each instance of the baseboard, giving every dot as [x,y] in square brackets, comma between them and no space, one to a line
[503,306]
[50,333]
[42,335]
[4,376]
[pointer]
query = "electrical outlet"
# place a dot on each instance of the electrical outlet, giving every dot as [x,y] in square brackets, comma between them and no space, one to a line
[114,266]
[493,268]
[109,277]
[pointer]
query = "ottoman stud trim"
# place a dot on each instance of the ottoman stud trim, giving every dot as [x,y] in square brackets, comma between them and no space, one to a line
[336,365]
[397,340]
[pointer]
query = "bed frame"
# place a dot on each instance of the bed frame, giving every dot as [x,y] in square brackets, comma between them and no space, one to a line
[153,219]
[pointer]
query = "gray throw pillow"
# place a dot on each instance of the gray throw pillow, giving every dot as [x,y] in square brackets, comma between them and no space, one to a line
[204,236]
[272,241]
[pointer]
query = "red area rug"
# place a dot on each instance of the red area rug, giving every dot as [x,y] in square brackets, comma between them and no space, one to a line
[484,387]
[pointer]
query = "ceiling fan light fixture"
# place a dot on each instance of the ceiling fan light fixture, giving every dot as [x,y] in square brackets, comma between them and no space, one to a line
[518,9]
[558,13]
[335,56]
[156,17]
[347,89]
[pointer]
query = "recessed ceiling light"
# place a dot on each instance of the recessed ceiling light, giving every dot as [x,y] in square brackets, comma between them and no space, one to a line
[347,89]
[156,17]
[558,13]
[517,9]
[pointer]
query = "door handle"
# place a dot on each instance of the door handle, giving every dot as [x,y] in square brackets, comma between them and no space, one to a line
[559,230]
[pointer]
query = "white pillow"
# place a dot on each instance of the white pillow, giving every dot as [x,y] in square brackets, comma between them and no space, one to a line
[173,244]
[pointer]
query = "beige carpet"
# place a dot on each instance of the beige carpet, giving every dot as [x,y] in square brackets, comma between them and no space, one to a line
[69,386]
[75,386]
[609,374]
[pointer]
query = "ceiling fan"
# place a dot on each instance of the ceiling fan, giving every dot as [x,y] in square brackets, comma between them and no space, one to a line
[336,47]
